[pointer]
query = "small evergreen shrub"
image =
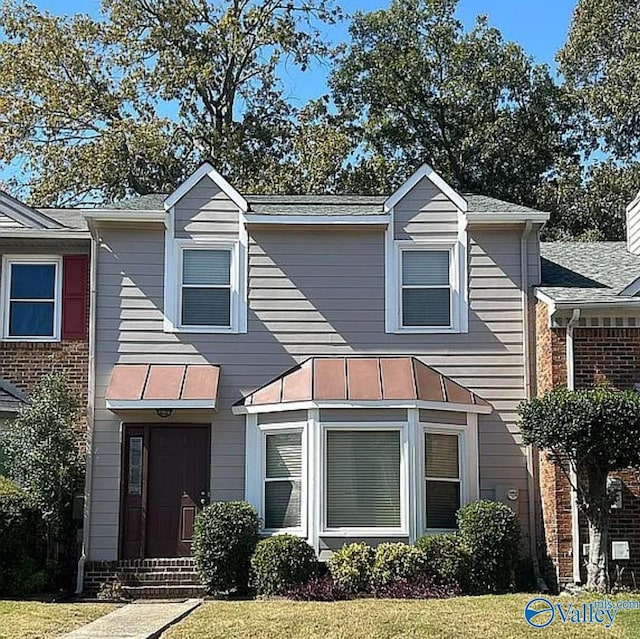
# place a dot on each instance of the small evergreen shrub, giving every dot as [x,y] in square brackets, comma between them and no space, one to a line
[351,567]
[225,536]
[490,530]
[394,562]
[281,562]
[21,543]
[446,558]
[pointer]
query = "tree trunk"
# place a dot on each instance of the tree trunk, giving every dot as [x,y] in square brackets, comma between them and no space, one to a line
[597,514]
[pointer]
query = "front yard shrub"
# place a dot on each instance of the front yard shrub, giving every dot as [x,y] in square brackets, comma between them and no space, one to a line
[280,563]
[395,562]
[21,543]
[491,532]
[351,567]
[225,536]
[446,558]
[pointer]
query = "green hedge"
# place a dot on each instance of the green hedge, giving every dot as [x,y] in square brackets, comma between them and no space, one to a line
[280,563]
[351,567]
[21,543]
[225,536]
[447,559]
[490,530]
[394,562]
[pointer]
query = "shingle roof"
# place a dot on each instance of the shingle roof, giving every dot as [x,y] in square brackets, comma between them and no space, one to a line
[323,204]
[69,218]
[11,398]
[587,271]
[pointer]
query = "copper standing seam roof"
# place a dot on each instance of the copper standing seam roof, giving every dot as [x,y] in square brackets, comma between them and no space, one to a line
[163,386]
[367,379]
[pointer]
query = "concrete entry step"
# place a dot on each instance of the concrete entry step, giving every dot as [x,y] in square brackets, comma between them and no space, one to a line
[163,591]
[136,621]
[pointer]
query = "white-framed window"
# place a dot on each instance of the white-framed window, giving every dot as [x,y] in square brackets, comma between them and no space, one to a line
[425,288]
[365,481]
[276,475]
[31,298]
[208,282]
[443,484]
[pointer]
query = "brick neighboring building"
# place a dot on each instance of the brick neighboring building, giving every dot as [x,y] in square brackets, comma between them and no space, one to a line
[595,284]
[44,297]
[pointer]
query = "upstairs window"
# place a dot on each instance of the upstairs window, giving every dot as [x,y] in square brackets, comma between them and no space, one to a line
[32,299]
[425,299]
[206,287]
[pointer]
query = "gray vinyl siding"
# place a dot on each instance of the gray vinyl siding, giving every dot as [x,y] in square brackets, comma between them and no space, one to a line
[205,210]
[313,291]
[425,213]
[7,222]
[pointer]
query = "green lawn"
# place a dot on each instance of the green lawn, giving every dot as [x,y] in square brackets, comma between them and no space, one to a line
[498,617]
[36,620]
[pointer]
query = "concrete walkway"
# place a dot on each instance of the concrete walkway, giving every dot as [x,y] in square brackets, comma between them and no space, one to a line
[135,621]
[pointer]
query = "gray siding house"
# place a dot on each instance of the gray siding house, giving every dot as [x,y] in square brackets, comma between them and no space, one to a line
[350,365]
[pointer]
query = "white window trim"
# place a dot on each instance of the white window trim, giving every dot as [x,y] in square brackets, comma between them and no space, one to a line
[173,284]
[256,451]
[467,461]
[5,285]
[394,285]
[405,480]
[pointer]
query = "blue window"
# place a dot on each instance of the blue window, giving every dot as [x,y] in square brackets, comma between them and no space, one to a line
[31,300]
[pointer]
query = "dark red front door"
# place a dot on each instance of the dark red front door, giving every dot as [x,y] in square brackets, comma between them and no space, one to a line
[158,518]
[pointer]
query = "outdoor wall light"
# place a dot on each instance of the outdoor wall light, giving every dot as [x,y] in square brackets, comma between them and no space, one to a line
[164,412]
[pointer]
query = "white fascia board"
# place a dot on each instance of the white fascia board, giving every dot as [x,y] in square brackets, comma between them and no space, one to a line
[24,214]
[146,404]
[425,171]
[127,217]
[382,220]
[499,218]
[206,170]
[53,234]
[289,406]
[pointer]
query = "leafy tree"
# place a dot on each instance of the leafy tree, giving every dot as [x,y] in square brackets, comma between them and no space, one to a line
[42,454]
[592,432]
[473,106]
[129,103]
[589,204]
[601,66]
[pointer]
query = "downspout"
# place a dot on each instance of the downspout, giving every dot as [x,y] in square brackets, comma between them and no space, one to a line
[526,358]
[571,385]
[88,485]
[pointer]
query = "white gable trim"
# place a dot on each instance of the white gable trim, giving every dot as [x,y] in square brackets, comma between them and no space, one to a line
[24,214]
[206,170]
[425,171]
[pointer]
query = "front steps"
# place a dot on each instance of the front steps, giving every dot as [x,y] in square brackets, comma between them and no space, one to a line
[144,579]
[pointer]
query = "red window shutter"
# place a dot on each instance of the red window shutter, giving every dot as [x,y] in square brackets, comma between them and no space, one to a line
[75,276]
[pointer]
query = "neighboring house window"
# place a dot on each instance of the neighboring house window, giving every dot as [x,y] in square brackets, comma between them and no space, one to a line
[32,298]
[207,288]
[425,288]
[443,482]
[363,479]
[283,481]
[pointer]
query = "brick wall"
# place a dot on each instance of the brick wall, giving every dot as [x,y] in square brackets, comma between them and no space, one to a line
[600,354]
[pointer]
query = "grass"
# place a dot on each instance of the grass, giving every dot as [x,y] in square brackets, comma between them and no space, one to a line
[37,620]
[498,617]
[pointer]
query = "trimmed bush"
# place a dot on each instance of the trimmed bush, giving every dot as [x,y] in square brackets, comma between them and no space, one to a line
[21,543]
[225,536]
[491,532]
[446,558]
[281,562]
[351,567]
[395,562]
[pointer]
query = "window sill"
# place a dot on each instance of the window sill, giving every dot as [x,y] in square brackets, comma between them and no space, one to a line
[31,340]
[364,532]
[202,331]
[426,330]
[297,532]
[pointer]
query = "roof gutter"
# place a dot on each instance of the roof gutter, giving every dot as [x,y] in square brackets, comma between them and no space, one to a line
[114,215]
[533,217]
[49,234]
[571,384]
